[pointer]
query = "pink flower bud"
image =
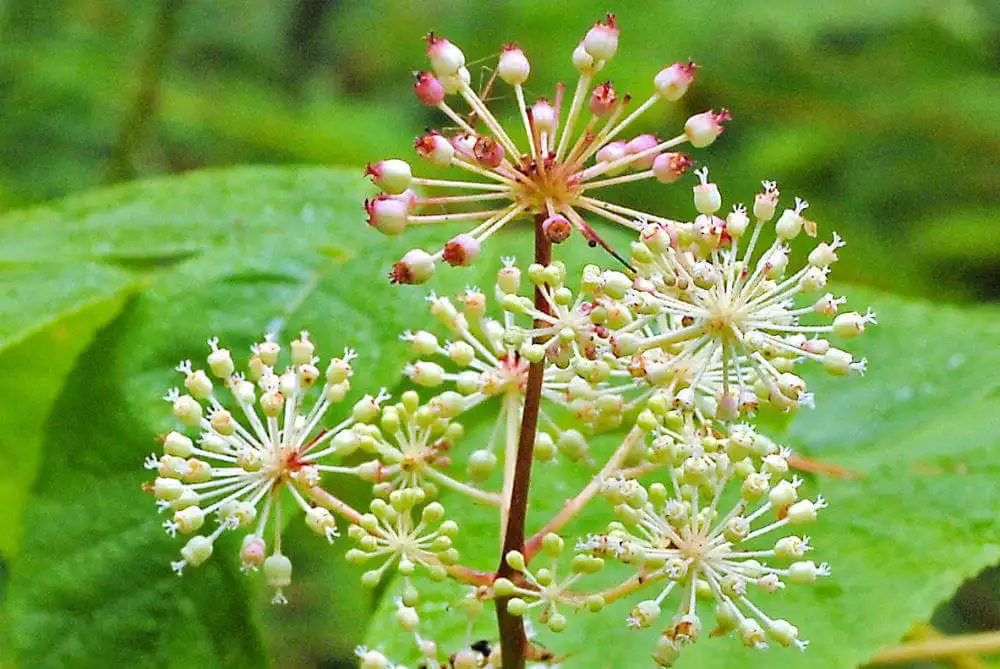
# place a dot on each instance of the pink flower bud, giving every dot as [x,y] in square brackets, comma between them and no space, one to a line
[556,228]
[461,250]
[603,99]
[428,89]
[702,129]
[488,152]
[601,41]
[765,204]
[543,116]
[387,214]
[612,152]
[639,144]
[416,266]
[252,552]
[445,57]
[513,66]
[669,167]
[392,176]
[672,82]
[435,149]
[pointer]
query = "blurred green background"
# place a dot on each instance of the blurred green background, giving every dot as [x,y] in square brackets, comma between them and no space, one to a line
[884,115]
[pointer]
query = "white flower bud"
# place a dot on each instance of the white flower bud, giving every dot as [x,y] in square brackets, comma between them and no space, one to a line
[783,494]
[197,550]
[167,489]
[601,41]
[189,520]
[802,512]
[278,571]
[408,618]
[805,572]
[672,82]
[366,409]
[302,350]
[321,521]
[513,67]
[198,384]
[178,445]
[220,361]
[790,548]
[584,63]
[426,374]
[446,59]
[187,409]
[783,632]
[852,324]
[372,659]
[509,279]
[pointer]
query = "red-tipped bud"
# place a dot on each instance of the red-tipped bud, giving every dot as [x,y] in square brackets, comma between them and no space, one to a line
[488,152]
[435,149]
[513,66]
[556,228]
[601,41]
[461,250]
[392,176]
[669,167]
[428,89]
[387,214]
[603,99]
[445,57]
[702,129]
[612,152]
[543,116]
[639,144]
[415,267]
[672,82]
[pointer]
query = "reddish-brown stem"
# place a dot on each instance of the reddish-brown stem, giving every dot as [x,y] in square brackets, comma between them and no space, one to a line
[513,642]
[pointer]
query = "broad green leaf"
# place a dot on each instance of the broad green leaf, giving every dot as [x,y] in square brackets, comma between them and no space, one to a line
[48,315]
[922,431]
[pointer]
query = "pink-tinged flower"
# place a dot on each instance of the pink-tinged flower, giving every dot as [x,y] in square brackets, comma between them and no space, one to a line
[702,129]
[570,146]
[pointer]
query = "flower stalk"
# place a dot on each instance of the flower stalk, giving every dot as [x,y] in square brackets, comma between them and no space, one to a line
[513,640]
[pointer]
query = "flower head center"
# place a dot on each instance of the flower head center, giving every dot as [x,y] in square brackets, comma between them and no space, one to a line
[546,183]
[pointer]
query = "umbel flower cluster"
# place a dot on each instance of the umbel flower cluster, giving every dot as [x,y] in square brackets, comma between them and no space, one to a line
[555,166]
[668,360]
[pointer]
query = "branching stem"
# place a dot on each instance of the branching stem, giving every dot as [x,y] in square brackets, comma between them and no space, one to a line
[513,641]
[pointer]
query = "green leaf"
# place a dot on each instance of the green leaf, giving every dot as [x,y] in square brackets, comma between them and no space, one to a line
[922,431]
[48,315]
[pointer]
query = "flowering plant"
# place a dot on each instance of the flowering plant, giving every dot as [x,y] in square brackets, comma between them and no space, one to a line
[668,354]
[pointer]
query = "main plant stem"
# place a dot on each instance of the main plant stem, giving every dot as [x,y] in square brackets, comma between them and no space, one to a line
[513,641]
